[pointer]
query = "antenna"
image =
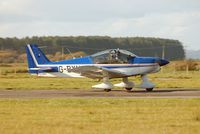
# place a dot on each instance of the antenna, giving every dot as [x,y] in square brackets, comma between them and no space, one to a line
[71,53]
[163,52]
[62,53]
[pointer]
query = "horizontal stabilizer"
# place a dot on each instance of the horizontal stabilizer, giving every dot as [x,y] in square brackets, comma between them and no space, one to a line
[41,69]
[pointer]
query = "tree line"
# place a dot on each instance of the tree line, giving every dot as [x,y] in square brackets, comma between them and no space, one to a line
[142,46]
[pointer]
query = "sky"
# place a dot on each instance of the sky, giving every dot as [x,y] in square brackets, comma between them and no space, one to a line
[172,19]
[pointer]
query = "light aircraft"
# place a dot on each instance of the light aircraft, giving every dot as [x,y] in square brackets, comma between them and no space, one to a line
[105,65]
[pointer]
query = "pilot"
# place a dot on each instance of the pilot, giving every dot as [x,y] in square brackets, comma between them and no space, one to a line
[114,56]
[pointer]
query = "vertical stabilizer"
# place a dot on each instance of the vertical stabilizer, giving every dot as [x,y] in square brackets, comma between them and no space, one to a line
[35,58]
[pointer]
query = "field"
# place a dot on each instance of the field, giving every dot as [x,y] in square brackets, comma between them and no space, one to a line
[15,76]
[97,116]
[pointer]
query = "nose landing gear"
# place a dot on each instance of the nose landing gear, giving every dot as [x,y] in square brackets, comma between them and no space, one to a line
[146,84]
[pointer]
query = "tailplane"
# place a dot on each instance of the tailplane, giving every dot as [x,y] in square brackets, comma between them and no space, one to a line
[35,58]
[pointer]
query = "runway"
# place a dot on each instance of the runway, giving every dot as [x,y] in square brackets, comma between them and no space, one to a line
[77,93]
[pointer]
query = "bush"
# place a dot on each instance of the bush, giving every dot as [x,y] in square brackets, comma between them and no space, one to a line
[190,65]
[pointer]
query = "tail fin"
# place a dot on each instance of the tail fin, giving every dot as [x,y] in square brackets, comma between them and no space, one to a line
[35,57]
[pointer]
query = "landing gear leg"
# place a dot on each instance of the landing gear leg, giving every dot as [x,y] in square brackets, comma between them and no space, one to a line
[106,85]
[125,84]
[146,83]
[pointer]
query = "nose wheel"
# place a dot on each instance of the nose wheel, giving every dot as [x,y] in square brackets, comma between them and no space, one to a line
[149,89]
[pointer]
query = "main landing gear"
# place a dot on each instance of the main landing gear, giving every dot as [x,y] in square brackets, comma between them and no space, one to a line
[125,84]
[107,85]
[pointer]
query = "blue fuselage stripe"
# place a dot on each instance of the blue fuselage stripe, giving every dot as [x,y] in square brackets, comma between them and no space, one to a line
[111,67]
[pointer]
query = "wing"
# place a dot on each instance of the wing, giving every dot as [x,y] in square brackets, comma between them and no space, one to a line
[97,72]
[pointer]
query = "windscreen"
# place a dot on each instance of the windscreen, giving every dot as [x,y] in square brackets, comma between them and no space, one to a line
[113,56]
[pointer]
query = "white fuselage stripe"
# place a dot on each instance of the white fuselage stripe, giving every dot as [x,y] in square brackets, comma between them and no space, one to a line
[106,65]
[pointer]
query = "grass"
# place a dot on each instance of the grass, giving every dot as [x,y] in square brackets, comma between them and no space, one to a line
[179,79]
[97,116]
[14,76]
[100,116]
[44,83]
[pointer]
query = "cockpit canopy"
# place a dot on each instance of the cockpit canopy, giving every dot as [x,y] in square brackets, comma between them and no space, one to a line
[113,56]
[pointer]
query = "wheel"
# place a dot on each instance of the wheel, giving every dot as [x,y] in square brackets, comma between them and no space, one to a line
[129,89]
[107,90]
[149,89]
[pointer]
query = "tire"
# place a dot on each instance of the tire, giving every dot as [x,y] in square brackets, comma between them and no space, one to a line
[149,89]
[128,89]
[107,90]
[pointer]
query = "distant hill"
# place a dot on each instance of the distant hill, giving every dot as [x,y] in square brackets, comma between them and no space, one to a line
[192,54]
[142,46]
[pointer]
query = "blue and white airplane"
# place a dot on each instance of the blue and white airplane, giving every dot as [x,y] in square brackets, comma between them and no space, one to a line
[105,65]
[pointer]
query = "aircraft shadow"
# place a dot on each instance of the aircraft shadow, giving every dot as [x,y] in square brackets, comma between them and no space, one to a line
[154,91]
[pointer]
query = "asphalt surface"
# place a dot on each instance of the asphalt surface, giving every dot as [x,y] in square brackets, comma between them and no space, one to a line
[72,93]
